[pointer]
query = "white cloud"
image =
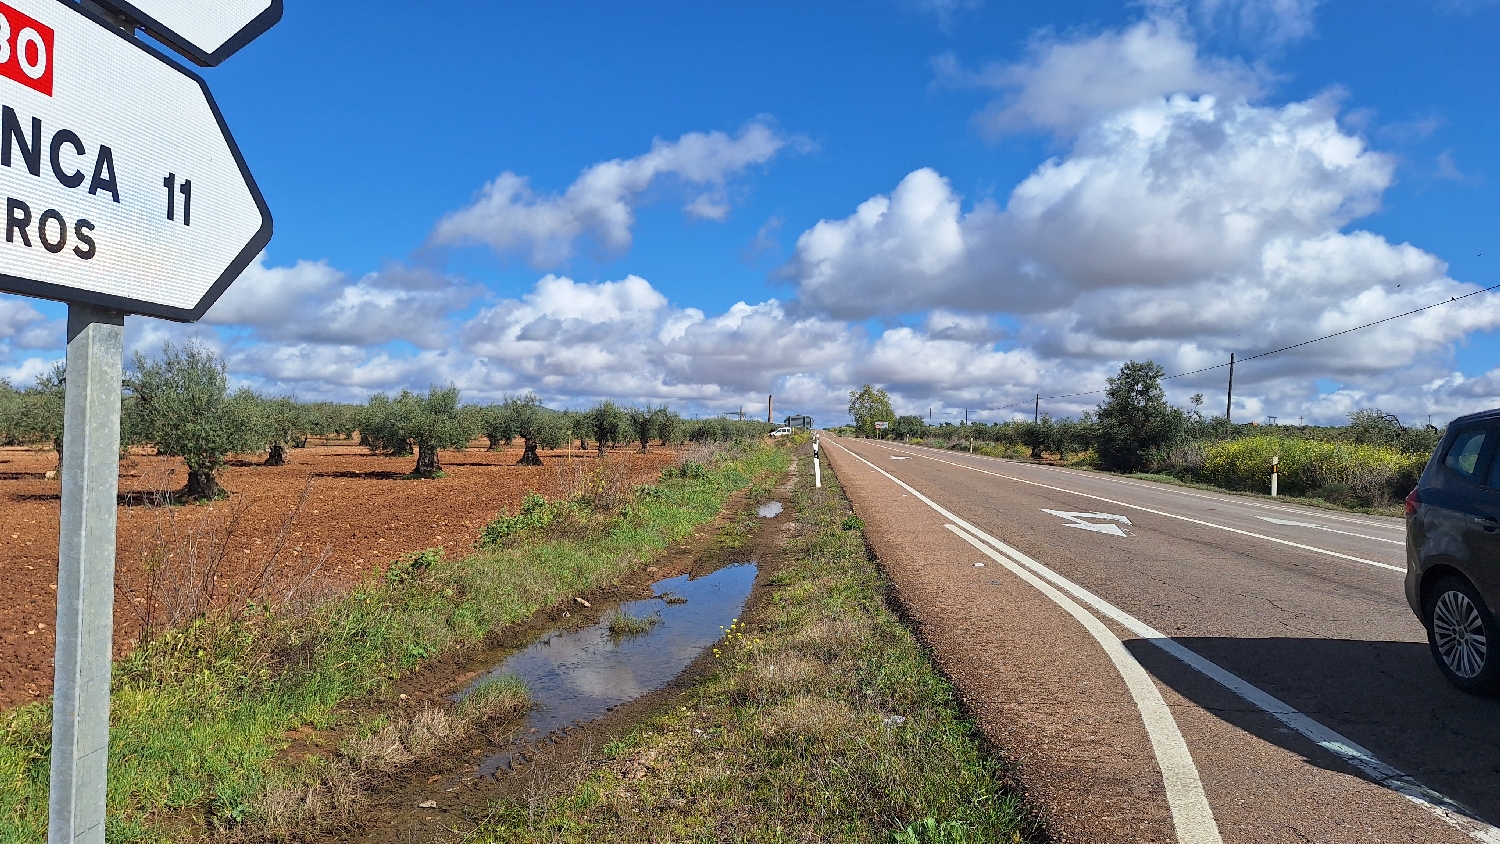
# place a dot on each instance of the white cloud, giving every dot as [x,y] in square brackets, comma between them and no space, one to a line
[511,218]
[311,302]
[1183,222]
[1167,193]
[1064,85]
[1268,22]
[622,339]
[23,327]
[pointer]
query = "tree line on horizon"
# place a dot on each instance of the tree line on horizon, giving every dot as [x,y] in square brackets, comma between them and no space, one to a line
[1135,429]
[179,402]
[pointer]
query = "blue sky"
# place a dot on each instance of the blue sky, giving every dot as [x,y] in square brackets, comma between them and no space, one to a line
[1042,226]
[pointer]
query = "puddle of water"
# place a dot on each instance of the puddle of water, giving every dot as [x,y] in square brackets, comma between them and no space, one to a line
[770,510]
[579,676]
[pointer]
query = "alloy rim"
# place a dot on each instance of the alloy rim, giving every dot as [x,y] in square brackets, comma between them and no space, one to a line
[1459,633]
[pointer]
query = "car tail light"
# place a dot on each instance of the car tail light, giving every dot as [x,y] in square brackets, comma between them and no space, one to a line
[1412,501]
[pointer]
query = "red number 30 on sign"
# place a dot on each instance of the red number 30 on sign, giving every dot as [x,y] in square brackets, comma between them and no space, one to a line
[25,50]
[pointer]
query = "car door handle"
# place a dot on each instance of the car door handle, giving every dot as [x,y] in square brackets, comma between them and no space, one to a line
[1488,523]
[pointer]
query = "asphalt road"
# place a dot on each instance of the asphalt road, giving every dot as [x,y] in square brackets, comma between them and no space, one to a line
[1168,664]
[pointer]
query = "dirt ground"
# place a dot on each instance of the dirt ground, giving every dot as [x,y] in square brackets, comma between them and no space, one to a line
[322,522]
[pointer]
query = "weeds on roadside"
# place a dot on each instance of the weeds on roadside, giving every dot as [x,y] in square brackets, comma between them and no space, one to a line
[821,720]
[200,712]
[189,574]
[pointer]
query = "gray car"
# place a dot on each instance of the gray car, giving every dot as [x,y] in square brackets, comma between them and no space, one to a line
[1453,552]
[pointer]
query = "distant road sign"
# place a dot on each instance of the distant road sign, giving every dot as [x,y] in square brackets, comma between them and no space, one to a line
[205,31]
[122,185]
[881,426]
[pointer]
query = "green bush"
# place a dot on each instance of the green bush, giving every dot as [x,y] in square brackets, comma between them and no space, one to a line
[536,514]
[1340,472]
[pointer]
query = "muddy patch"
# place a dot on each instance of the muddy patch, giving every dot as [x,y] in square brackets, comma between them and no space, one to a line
[580,675]
[438,800]
[769,510]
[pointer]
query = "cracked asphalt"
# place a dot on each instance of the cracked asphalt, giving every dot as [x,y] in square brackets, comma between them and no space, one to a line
[1304,604]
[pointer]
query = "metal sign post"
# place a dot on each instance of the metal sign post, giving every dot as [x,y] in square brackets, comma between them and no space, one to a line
[86,574]
[124,194]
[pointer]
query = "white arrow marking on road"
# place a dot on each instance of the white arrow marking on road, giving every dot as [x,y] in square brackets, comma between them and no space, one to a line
[1290,523]
[1286,522]
[206,33]
[1076,520]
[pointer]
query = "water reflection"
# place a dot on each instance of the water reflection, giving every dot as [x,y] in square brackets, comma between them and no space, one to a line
[579,676]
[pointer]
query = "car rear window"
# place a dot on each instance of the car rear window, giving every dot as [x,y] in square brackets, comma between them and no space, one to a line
[1463,455]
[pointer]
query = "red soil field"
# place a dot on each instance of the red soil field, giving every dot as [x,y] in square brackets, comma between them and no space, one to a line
[357,515]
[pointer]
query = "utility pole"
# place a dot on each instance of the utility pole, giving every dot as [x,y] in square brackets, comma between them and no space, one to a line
[966,416]
[1036,414]
[1229,402]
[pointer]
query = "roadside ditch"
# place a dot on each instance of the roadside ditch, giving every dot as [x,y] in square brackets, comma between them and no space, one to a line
[813,713]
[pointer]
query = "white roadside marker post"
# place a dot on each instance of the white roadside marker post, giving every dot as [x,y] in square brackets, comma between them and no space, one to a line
[1275,464]
[817,468]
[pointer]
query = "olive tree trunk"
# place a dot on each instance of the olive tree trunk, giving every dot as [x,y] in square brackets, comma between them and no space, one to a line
[201,486]
[277,457]
[427,462]
[529,457]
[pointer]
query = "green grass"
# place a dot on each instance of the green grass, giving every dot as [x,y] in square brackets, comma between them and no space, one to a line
[821,720]
[198,715]
[623,625]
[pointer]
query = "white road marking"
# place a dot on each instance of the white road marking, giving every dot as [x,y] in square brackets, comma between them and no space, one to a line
[1076,520]
[1192,816]
[893,457]
[1344,748]
[1290,523]
[1313,548]
[1159,487]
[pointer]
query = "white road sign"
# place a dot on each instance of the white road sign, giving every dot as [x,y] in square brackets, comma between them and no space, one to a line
[205,31]
[122,185]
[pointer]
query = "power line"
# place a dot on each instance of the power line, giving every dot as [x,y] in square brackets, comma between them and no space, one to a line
[1447,301]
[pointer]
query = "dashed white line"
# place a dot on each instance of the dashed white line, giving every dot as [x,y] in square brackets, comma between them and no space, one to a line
[1190,519]
[1290,523]
[1158,487]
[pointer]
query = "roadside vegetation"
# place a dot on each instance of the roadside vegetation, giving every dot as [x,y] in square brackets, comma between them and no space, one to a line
[202,712]
[1369,464]
[821,719]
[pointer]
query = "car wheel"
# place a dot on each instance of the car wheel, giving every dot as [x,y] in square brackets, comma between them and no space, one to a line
[1464,637]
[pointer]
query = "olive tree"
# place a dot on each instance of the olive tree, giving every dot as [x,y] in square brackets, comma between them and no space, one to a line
[181,404]
[1135,424]
[602,423]
[526,418]
[417,422]
[668,426]
[644,422]
[281,423]
[496,424]
[34,415]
